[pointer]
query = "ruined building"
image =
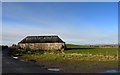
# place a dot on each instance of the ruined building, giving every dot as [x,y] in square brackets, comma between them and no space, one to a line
[42,43]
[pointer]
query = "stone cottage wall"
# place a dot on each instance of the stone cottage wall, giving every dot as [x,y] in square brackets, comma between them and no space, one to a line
[43,46]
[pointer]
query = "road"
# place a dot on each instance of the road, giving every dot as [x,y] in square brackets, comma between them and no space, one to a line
[11,65]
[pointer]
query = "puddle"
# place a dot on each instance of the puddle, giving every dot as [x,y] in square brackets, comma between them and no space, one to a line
[15,57]
[54,69]
[18,58]
[111,71]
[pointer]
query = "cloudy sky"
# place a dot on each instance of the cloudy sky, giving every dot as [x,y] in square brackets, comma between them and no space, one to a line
[76,23]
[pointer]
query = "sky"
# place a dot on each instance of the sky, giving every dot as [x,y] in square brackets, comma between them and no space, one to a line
[80,23]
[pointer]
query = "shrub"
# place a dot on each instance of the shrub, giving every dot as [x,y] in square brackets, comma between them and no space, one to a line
[4,47]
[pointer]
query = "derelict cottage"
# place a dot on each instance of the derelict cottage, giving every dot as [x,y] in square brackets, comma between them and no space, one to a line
[42,43]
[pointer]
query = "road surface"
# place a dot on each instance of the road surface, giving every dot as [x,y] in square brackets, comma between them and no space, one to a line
[11,65]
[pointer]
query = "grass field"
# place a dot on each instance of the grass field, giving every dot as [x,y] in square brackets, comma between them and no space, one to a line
[91,50]
[76,52]
[77,59]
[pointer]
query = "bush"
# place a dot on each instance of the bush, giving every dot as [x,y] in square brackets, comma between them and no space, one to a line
[4,47]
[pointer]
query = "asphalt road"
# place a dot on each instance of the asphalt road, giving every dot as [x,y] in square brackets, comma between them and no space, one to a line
[11,65]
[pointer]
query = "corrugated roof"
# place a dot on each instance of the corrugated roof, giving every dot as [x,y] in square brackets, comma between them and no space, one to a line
[41,39]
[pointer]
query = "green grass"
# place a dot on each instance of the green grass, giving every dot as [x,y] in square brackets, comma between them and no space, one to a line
[78,46]
[91,50]
[76,53]
[77,58]
[72,62]
[69,57]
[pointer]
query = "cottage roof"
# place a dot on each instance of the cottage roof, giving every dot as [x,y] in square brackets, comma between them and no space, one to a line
[41,39]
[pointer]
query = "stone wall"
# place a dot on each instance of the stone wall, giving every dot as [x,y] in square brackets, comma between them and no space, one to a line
[43,46]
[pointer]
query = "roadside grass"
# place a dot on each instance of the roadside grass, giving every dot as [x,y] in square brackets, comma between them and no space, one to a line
[59,57]
[75,53]
[72,63]
[75,58]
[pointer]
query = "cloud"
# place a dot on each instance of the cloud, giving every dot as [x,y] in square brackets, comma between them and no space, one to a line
[15,34]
